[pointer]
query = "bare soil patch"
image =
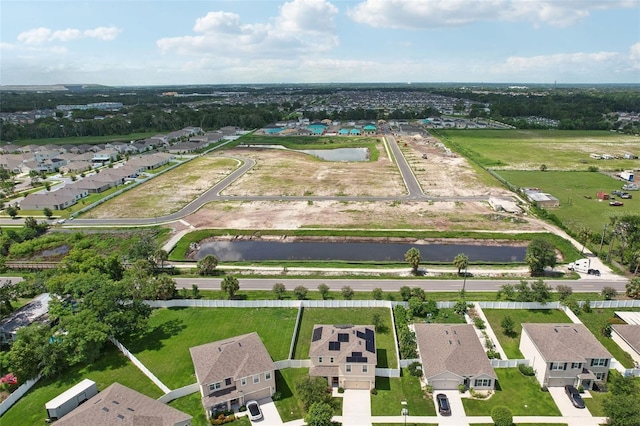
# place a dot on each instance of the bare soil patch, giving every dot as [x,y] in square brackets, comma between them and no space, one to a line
[168,192]
[357,215]
[280,172]
[442,174]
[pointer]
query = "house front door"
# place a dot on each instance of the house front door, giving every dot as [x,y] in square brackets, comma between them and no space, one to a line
[334,382]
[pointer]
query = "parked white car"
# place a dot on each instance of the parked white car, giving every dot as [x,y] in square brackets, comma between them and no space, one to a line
[254,410]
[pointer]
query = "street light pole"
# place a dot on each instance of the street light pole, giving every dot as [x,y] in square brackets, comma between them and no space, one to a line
[405,411]
[464,283]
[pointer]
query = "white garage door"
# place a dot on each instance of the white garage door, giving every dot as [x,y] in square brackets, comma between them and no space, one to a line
[444,384]
[259,394]
[356,385]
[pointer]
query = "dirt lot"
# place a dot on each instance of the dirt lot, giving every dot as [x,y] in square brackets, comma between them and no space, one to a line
[445,174]
[362,215]
[279,172]
[168,192]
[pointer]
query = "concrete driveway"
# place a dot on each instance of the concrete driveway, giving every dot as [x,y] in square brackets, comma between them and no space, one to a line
[564,404]
[356,407]
[270,415]
[457,416]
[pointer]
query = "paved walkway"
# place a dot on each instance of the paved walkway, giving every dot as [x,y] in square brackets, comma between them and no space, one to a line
[490,333]
[356,408]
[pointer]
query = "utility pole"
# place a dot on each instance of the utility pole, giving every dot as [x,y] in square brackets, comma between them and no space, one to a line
[602,239]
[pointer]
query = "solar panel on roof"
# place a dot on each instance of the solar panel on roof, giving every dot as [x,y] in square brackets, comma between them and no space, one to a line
[357,354]
[317,334]
[351,359]
[334,346]
[343,337]
[361,335]
[371,347]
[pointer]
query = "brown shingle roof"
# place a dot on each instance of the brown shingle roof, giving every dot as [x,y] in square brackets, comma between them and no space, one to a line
[119,405]
[342,341]
[237,357]
[630,333]
[451,348]
[565,342]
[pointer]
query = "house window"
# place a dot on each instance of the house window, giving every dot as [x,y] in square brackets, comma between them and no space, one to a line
[599,362]
[365,368]
[601,376]
[319,360]
[575,365]
[227,382]
[243,381]
[267,376]
[558,366]
[256,379]
[484,383]
[331,360]
[348,368]
[214,386]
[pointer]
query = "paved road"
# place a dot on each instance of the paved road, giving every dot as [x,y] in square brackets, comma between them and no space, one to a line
[591,286]
[410,181]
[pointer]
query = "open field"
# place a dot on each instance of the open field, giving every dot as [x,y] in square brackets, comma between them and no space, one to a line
[281,172]
[356,215]
[111,367]
[405,388]
[528,149]
[570,188]
[168,192]
[443,175]
[520,393]
[385,343]
[90,140]
[174,331]
[511,343]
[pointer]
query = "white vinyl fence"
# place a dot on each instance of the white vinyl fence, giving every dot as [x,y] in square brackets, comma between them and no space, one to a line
[293,363]
[509,363]
[179,393]
[387,372]
[16,395]
[140,365]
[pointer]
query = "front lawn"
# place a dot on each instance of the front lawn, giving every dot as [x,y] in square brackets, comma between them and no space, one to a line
[595,403]
[510,343]
[385,343]
[391,391]
[165,348]
[520,393]
[594,320]
[111,367]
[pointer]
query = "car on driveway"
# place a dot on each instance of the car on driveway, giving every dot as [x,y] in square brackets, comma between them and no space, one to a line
[595,272]
[254,410]
[443,404]
[574,396]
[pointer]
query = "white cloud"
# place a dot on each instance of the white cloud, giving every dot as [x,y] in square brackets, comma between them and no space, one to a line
[634,56]
[420,14]
[43,35]
[7,46]
[301,26]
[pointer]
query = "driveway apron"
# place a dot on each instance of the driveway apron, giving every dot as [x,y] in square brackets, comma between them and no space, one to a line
[270,415]
[356,408]
[457,416]
[564,404]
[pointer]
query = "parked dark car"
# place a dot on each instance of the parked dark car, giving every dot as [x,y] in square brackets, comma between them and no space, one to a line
[443,404]
[254,410]
[625,195]
[574,396]
[595,272]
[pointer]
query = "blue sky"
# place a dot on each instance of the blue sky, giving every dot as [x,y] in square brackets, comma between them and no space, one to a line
[126,42]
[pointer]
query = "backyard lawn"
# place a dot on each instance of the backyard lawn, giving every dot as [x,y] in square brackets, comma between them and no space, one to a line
[192,405]
[510,343]
[520,393]
[385,342]
[289,406]
[111,367]
[165,348]
[594,320]
[391,391]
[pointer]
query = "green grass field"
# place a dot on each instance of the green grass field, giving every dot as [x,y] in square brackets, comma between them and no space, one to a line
[570,188]
[510,343]
[528,149]
[391,391]
[520,393]
[89,140]
[111,367]
[385,343]
[165,348]
[289,406]
[593,321]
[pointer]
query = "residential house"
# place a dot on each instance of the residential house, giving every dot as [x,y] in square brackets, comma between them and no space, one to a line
[565,354]
[345,355]
[149,162]
[119,405]
[105,156]
[627,336]
[451,355]
[233,371]
[56,200]
[76,167]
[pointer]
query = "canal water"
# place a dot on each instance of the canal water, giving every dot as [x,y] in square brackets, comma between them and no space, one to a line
[256,250]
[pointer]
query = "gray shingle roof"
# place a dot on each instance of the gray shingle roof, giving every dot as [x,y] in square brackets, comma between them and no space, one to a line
[119,405]
[565,342]
[236,357]
[453,348]
[630,333]
[344,341]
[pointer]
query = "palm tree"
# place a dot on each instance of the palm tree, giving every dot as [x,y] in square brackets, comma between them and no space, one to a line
[161,256]
[414,257]
[584,234]
[461,261]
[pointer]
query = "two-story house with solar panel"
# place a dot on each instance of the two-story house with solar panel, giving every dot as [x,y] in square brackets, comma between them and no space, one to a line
[345,355]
